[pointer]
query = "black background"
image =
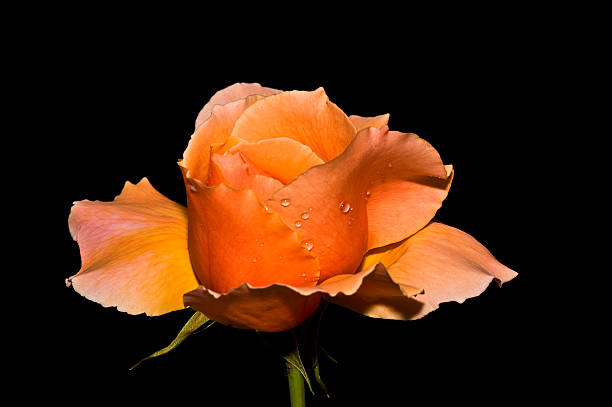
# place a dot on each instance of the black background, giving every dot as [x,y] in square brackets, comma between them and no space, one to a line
[122,107]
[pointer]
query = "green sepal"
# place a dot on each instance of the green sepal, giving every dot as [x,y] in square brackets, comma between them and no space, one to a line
[196,321]
[286,345]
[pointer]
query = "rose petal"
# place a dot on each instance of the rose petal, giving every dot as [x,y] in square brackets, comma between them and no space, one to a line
[334,196]
[362,123]
[236,171]
[280,307]
[378,296]
[281,158]
[230,94]
[233,240]
[214,131]
[133,251]
[399,208]
[448,264]
[307,117]
[269,309]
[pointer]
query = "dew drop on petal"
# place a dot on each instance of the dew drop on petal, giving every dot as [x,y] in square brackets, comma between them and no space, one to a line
[307,244]
[305,215]
[367,194]
[254,259]
[345,207]
[310,209]
[303,274]
[285,202]
[298,224]
[390,165]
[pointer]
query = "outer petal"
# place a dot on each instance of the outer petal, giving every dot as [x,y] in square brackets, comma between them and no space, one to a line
[333,197]
[399,208]
[282,158]
[268,309]
[230,94]
[448,264]
[215,131]
[133,251]
[362,123]
[234,240]
[307,117]
[280,307]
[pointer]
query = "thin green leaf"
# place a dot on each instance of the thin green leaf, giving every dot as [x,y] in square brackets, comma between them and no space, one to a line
[196,321]
[317,375]
[322,349]
[293,358]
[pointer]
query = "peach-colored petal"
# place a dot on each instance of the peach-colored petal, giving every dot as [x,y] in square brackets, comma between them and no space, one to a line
[448,264]
[133,251]
[307,117]
[233,239]
[236,171]
[280,307]
[268,309]
[399,208]
[332,205]
[362,123]
[282,158]
[230,94]
[211,133]
[378,296]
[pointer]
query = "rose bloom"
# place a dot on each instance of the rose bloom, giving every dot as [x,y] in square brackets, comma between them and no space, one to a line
[290,202]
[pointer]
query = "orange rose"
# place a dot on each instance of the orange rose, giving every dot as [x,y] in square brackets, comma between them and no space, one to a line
[289,202]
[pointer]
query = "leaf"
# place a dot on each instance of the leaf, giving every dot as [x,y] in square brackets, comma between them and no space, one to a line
[293,358]
[319,380]
[197,320]
[286,345]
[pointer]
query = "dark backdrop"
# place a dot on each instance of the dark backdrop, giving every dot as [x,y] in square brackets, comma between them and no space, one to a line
[124,108]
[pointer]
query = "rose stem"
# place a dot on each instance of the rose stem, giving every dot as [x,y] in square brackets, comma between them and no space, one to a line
[296,387]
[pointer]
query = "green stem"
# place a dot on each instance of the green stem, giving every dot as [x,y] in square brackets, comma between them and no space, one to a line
[296,386]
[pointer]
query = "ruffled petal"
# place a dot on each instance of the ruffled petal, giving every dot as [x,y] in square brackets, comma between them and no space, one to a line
[230,94]
[331,201]
[362,123]
[282,158]
[233,239]
[448,264]
[213,132]
[280,307]
[268,309]
[307,117]
[133,251]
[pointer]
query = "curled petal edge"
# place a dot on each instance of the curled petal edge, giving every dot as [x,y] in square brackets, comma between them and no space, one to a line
[279,307]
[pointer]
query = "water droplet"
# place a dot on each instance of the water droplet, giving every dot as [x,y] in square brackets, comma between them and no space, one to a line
[305,215]
[303,274]
[266,208]
[310,209]
[261,245]
[285,202]
[345,207]
[254,259]
[307,244]
[298,224]
[390,165]
[367,194]
[192,188]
